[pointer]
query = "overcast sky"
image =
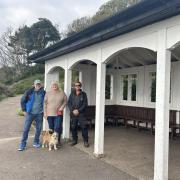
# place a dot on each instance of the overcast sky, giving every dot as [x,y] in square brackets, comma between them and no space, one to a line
[15,13]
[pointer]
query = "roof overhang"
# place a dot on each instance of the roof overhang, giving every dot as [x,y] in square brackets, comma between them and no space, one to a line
[144,13]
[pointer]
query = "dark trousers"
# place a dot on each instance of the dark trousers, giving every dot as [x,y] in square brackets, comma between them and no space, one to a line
[74,129]
[55,123]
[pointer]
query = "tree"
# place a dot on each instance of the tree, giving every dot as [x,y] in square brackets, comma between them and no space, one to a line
[112,7]
[106,10]
[16,46]
[43,34]
[78,25]
[11,59]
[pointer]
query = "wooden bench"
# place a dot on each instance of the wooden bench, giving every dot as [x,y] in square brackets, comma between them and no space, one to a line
[173,125]
[90,115]
[136,115]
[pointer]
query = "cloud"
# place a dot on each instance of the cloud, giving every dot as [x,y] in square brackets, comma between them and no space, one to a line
[62,12]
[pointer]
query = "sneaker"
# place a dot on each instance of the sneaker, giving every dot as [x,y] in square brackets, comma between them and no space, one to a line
[36,145]
[86,144]
[59,144]
[73,143]
[21,147]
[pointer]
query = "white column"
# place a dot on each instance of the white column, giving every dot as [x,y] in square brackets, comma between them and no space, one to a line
[162,109]
[45,123]
[80,77]
[100,103]
[67,90]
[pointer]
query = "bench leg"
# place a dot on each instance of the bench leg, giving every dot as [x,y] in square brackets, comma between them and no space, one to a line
[134,123]
[172,133]
[152,129]
[138,126]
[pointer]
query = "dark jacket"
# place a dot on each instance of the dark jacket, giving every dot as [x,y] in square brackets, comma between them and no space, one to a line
[77,102]
[27,99]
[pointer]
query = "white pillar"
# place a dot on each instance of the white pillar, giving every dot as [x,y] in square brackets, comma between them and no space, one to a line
[67,90]
[100,103]
[162,109]
[80,77]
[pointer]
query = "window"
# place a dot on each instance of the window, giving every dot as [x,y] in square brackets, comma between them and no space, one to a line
[153,86]
[129,87]
[125,87]
[133,86]
[109,86]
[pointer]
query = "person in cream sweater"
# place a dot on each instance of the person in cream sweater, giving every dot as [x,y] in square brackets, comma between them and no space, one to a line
[54,103]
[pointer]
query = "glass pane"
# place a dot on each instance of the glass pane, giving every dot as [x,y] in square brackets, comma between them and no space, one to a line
[108,87]
[133,87]
[125,87]
[153,86]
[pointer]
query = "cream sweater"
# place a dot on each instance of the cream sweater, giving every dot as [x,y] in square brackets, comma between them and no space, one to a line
[53,101]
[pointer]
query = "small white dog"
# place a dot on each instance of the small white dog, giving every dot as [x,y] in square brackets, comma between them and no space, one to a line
[53,141]
[46,136]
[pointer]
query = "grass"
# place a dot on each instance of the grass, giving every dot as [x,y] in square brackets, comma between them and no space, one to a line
[21,86]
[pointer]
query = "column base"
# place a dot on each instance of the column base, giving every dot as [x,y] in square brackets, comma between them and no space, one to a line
[98,156]
[66,140]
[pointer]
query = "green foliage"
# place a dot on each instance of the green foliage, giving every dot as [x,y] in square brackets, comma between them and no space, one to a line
[30,70]
[4,92]
[21,86]
[153,87]
[78,25]
[108,87]
[36,37]
[2,96]
[43,33]
[125,87]
[112,7]
[20,112]
[108,9]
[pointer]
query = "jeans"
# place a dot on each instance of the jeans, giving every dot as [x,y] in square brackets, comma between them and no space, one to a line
[74,129]
[28,121]
[55,123]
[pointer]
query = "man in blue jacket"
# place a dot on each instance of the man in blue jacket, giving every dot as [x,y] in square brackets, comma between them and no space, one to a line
[32,106]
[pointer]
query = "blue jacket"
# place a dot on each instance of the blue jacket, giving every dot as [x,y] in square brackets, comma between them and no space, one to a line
[27,99]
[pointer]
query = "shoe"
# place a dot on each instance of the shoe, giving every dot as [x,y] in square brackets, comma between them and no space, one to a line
[36,145]
[59,144]
[86,144]
[22,147]
[73,143]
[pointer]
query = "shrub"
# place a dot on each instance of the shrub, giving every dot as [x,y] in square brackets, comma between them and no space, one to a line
[2,96]
[21,86]
[20,112]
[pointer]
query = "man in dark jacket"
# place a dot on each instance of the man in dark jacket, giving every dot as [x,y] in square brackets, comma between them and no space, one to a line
[77,104]
[32,106]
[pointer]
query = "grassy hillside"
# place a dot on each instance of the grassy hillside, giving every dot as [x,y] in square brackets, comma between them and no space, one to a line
[4,91]
[21,86]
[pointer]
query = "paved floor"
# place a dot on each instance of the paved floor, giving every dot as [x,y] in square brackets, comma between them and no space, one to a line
[67,163]
[133,152]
